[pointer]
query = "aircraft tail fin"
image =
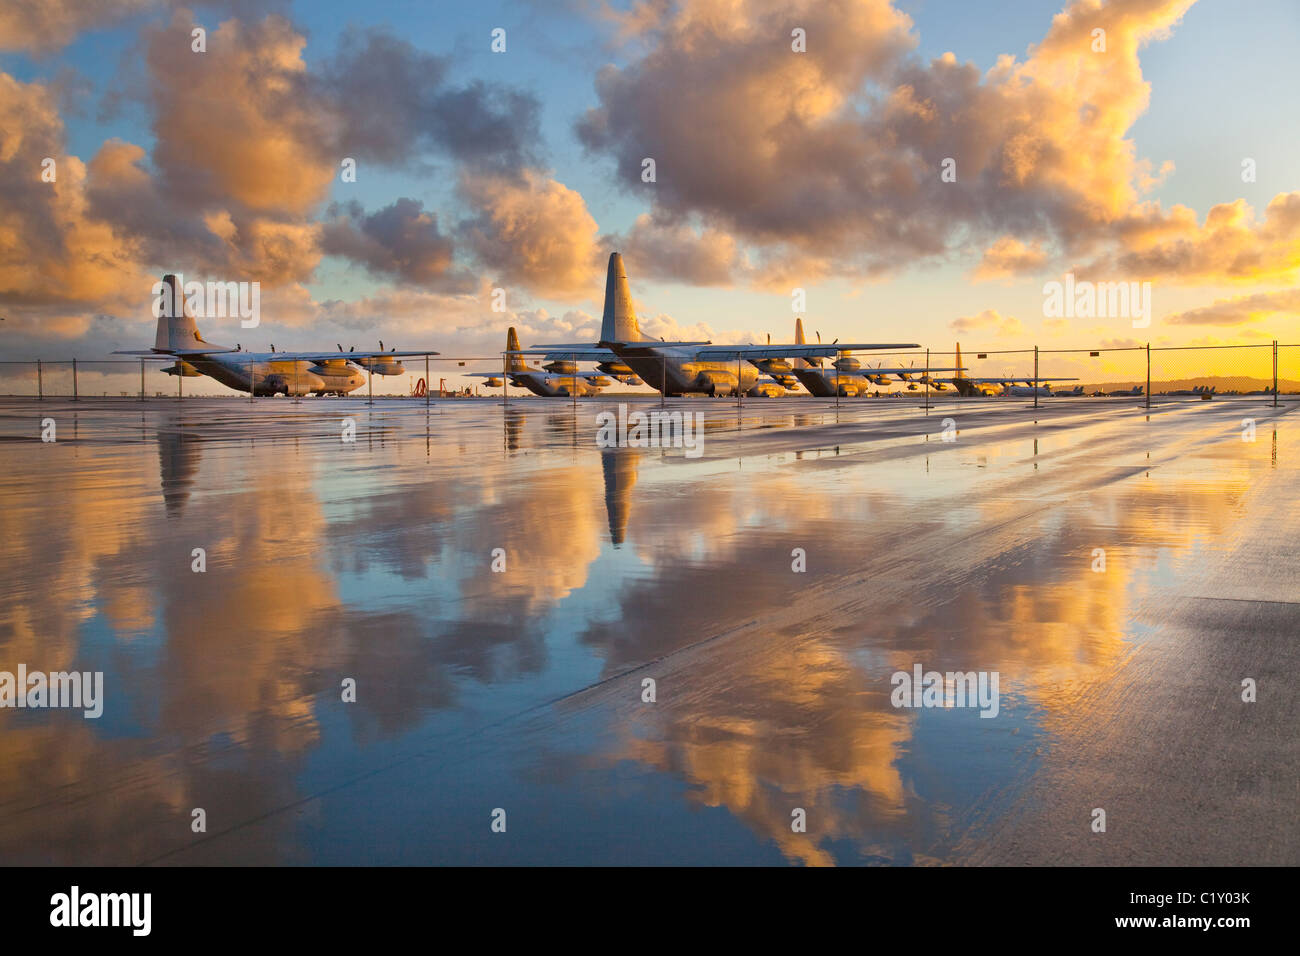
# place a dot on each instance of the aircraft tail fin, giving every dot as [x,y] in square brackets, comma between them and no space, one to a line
[176,328]
[800,340]
[618,322]
[514,363]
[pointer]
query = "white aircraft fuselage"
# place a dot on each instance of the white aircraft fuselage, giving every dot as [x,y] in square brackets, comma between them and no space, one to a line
[263,373]
[675,370]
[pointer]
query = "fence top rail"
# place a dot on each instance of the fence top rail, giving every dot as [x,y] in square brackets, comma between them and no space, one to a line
[969,352]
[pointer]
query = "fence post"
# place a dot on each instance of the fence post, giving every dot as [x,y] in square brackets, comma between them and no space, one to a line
[663,379]
[74,380]
[1036,385]
[427,383]
[1275,373]
[1148,375]
[142,380]
[927,381]
[40,387]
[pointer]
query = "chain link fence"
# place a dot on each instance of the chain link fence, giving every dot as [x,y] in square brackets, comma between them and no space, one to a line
[1265,371]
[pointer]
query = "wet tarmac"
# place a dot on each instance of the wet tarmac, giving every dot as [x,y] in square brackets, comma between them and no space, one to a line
[1121,571]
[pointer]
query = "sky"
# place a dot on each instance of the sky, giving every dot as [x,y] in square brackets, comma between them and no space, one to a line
[1164,150]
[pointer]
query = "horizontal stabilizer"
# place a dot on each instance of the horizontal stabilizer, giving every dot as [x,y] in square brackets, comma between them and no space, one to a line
[759,352]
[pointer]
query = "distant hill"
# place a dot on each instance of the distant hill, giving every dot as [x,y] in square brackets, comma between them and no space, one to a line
[1221,383]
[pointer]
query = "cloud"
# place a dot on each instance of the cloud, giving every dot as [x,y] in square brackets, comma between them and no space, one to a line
[836,154]
[43,26]
[1241,310]
[54,250]
[246,151]
[400,241]
[676,252]
[395,102]
[532,231]
[1002,326]
[1009,257]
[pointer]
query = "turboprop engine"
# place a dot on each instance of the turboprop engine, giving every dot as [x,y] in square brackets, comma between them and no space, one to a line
[618,370]
[714,381]
[183,369]
[775,366]
[378,364]
[562,367]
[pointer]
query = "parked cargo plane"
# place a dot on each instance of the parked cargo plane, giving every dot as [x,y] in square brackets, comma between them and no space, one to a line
[681,368]
[847,375]
[1006,385]
[559,377]
[262,373]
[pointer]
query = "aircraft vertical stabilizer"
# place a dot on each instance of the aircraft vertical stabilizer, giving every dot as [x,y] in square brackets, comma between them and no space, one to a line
[176,329]
[618,323]
[514,363]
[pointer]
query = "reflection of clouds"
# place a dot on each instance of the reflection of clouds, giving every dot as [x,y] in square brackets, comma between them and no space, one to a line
[253,651]
[795,712]
[799,733]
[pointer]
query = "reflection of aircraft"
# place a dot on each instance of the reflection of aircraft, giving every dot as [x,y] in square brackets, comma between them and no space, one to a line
[620,468]
[262,373]
[968,387]
[559,377]
[178,462]
[679,368]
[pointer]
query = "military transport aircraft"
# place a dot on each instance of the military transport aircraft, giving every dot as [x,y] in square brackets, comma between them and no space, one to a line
[262,373]
[681,368]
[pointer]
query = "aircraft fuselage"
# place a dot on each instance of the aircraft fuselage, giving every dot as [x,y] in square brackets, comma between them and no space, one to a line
[263,373]
[676,371]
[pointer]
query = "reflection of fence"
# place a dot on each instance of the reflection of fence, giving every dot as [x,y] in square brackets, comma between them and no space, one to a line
[1269,370]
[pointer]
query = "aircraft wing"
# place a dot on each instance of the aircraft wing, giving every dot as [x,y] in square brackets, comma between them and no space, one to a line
[913,370]
[760,352]
[348,356]
[171,353]
[579,353]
